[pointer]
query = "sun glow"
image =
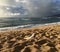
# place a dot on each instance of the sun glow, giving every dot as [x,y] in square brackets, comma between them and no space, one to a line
[2,14]
[3,2]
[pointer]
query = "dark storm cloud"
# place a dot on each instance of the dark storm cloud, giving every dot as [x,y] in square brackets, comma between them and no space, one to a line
[33,8]
[40,7]
[45,7]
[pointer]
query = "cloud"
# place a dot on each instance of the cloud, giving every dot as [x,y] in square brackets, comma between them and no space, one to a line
[55,7]
[7,2]
[30,8]
[38,7]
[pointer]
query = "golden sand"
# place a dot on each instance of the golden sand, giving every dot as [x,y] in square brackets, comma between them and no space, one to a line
[36,39]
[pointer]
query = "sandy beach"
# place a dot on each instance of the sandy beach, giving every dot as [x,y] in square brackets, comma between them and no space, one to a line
[34,39]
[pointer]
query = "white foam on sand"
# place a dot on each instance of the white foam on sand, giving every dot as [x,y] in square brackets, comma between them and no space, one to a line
[26,26]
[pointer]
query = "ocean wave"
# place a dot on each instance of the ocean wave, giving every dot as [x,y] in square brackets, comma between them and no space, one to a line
[16,27]
[26,26]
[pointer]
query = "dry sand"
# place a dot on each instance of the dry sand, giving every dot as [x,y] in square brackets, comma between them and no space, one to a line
[37,39]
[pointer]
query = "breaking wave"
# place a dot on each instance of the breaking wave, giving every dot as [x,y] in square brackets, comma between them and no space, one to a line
[26,26]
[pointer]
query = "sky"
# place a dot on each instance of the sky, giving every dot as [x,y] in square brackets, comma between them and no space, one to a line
[29,8]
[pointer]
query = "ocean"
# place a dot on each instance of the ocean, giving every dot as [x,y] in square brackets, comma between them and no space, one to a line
[15,22]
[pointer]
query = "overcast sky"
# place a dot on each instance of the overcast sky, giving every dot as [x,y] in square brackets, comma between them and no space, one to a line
[29,8]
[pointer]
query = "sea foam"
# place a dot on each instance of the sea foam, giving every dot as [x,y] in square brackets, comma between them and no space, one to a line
[27,26]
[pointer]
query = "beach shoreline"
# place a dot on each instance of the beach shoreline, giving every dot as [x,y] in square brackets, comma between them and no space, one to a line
[30,26]
[37,38]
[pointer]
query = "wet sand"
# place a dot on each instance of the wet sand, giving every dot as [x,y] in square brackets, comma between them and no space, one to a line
[36,39]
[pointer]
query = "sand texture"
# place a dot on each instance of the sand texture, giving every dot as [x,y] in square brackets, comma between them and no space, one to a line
[37,39]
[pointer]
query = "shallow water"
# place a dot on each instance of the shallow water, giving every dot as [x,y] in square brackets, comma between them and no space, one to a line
[16,21]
